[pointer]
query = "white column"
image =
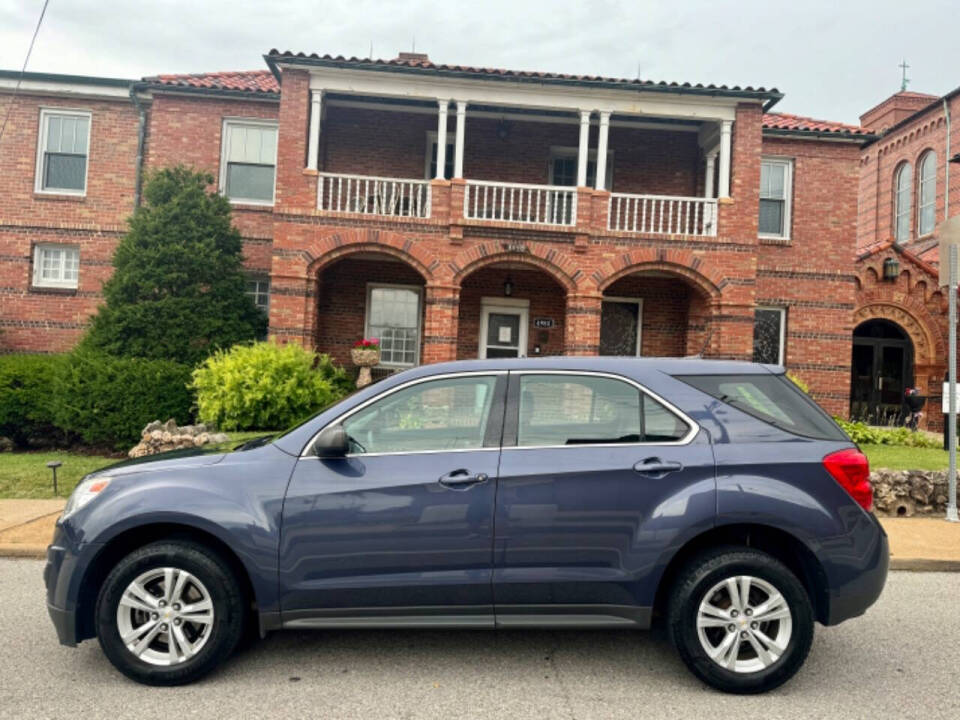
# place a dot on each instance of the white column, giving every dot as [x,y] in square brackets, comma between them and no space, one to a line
[458,144]
[441,138]
[584,148]
[313,143]
[602,149]
[723,182]
[711,171]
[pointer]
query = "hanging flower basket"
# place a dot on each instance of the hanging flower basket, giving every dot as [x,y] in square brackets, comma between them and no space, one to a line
[365,355]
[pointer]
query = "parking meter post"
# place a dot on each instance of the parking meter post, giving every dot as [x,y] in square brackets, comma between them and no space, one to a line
[952,422]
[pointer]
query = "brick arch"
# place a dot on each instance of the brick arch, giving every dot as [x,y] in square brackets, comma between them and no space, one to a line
[678,262]
[924,344]
[327,249]
[552,261]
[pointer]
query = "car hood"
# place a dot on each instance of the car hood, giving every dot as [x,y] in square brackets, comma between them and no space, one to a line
[176,459]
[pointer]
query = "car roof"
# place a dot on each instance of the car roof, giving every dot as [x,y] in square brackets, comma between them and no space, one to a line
[621,365]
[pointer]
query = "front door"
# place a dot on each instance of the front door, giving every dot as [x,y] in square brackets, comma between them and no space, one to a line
[401,529]
[597,478]
[503,329]
[620,323]
[881,374]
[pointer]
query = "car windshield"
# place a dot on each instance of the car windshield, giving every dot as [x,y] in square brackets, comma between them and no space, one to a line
[311,416]
[774,399]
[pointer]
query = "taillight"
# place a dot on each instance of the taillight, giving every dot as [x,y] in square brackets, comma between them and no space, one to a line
[851,469]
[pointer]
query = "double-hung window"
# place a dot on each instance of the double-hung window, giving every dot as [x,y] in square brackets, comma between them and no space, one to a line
[903,184]
[62,152]
[776,181]
[927,194]
[393,317]
[56,266]
[249,161]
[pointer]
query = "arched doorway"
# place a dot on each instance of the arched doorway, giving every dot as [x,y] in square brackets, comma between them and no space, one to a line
[653,313]
[882,368]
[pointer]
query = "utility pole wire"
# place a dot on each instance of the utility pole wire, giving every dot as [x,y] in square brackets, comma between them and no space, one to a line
[23,70]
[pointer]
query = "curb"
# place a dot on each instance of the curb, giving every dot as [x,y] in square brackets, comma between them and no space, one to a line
[15,550]
[924,565]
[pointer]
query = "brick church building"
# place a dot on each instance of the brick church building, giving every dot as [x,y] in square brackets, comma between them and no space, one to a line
[460,212]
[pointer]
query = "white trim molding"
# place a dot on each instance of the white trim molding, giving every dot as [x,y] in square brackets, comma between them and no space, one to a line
[46,113]
[504,306]
[418,289]
[782,349]
[238,122]
[69,263]
[787,165]
[633,301]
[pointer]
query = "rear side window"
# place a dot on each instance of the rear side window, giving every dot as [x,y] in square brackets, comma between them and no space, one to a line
[583,409]
[773,399]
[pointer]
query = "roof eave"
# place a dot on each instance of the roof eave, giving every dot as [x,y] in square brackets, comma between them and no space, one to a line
[261,95]
[859,138]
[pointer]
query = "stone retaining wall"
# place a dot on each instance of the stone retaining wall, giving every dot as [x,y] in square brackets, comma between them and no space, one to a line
[904,493]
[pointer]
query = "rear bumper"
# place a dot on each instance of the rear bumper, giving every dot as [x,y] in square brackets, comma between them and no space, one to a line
[855,596]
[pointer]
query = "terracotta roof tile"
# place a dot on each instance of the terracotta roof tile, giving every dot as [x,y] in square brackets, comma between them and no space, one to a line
[252,81]
[421,62]
[786,121]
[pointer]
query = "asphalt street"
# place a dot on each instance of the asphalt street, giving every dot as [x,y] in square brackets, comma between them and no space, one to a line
[901,660]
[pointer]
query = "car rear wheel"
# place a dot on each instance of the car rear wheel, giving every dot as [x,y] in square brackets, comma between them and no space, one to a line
[741,621]
[169,613]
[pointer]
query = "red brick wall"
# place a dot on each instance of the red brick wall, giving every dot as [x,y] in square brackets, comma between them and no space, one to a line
[666,313]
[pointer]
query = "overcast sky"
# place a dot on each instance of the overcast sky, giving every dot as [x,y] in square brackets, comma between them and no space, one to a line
[832,59]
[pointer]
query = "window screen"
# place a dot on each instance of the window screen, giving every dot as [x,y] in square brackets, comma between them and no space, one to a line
[773,399]
[251,156]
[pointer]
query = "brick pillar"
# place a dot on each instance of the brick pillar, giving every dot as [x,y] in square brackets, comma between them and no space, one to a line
[582,329]
[296,186]
[739,218]
[731,334]
[293,309]
[442,313]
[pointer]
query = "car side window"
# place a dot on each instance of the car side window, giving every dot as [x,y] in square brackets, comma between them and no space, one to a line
[576,410]
[660,424]
[445,414]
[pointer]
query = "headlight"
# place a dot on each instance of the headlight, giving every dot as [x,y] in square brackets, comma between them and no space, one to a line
[86,491]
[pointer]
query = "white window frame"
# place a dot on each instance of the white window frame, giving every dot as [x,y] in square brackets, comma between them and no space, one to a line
[371,286]
[254,295]
[225,152]
[632,300]
[431,141]
[504,306]
[37,279]
[899,211]
[782,351]
[45,114]
[565,151]
[928,155]
[787,163]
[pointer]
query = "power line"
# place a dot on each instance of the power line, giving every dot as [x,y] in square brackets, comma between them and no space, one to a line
[23,70]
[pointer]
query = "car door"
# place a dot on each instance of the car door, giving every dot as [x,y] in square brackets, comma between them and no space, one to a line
[598,479]
[400,531]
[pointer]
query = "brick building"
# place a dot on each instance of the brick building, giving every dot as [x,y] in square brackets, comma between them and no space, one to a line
[906,188]
[456,212]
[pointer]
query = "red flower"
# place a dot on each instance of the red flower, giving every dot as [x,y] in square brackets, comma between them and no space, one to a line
[367,343]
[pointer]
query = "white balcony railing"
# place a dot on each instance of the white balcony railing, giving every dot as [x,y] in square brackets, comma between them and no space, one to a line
[662,214]
[521,203]
[366,195]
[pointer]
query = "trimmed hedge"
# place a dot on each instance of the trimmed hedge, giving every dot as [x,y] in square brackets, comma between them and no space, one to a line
[864,434]
[27,395]
[266,386]
[106,400]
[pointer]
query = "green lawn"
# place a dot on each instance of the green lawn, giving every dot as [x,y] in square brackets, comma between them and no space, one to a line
[895,457]
[26,475]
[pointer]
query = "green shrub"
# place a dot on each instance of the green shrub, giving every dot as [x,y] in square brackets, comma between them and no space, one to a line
[864,434]
[799,383]
[26,394]
[265,386]
[106,400]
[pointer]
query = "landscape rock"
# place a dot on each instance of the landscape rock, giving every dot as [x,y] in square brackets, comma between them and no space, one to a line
[159,437]
[6,444]
[904,493]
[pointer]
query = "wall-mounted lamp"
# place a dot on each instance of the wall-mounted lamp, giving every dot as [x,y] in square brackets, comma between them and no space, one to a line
[508,287]
[891,269]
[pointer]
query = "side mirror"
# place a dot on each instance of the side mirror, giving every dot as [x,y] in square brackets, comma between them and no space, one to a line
[331,443]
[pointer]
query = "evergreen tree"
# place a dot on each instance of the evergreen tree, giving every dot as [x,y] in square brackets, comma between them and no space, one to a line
[178,288]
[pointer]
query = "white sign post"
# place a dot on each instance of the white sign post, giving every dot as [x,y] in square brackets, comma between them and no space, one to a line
[949,232]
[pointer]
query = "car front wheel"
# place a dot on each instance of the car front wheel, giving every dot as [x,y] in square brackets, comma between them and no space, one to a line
[741,620]
[169,613]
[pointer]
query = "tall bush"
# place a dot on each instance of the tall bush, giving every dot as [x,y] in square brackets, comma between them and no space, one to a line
[265,386]
[26,395]
[178,288]
[106,400]
[864,434]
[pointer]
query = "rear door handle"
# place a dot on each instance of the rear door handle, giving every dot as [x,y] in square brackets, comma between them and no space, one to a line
[657,468]
[462,479]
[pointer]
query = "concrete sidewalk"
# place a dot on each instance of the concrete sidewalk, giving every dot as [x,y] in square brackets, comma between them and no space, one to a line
[26,527]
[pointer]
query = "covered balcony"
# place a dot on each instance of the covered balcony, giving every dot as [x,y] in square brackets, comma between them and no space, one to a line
[583,171]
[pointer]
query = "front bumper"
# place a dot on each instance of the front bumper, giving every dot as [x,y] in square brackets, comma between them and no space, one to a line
[67,561]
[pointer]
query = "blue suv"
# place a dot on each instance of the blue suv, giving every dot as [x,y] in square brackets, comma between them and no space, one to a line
[714,497]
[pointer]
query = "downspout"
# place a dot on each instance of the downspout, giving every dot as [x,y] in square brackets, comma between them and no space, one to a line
[946,165]
[141,135]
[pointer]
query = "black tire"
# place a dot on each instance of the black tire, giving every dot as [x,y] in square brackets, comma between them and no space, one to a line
[225,594]
[698,578]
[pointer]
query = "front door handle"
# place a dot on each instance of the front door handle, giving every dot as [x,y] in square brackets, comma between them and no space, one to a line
[656,468]
[462,479]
